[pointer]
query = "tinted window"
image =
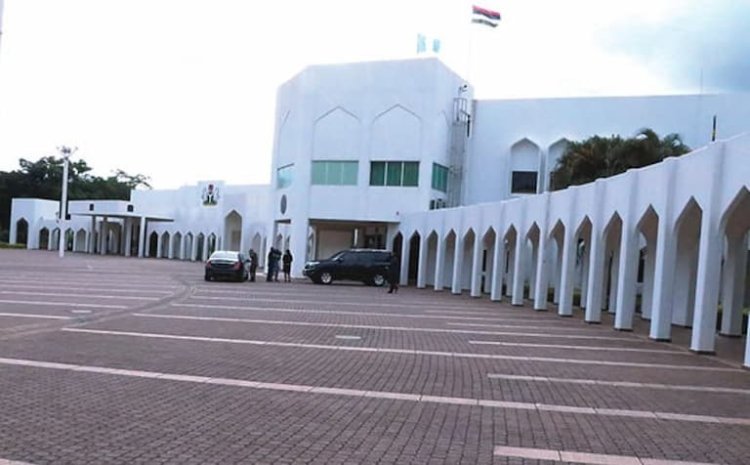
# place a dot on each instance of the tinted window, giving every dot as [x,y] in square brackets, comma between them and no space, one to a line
[224,256]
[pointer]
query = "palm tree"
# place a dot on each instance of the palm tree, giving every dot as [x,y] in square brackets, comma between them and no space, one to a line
[601,157]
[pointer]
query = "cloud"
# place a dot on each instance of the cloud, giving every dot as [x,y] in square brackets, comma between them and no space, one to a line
[706,41]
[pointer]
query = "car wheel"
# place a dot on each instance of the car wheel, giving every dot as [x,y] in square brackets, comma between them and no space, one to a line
[326,277]
[378,280]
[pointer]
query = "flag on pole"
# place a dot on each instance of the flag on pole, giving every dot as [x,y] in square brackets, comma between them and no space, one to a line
[713,131]
[484,16]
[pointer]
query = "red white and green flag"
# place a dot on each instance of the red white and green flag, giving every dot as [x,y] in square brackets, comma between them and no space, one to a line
[484,16]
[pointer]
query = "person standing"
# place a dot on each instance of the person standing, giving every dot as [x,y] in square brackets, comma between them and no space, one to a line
[394,273]
[253,264]
[270,265]
[276,263]
[287,260]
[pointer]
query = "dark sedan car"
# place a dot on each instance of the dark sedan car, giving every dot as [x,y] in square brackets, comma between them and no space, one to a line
[226,264]
[367,265]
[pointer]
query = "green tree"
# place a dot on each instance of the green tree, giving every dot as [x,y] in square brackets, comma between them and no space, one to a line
[601,157]
[43,179]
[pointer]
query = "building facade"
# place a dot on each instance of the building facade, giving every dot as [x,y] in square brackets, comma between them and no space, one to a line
[399,155]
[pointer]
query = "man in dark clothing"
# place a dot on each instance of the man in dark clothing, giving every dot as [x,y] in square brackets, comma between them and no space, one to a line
[270,266]
[253,257]
[287,261]
[394,273]
[276,263]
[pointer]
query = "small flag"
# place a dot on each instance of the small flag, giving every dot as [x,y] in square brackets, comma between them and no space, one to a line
[435,45]
[484,16]
[421,43]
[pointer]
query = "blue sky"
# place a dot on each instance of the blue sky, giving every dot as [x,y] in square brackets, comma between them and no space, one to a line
[183,90]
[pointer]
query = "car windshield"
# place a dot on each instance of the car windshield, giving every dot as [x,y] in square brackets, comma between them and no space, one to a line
[223,256]
[337,255]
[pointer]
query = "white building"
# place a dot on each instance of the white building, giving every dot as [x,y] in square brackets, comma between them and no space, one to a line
[371,154]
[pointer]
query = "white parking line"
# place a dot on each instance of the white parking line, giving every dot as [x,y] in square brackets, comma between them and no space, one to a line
[95,281]
[568,347]
[297,345]
[627,384]
[60,304]
[87,289]
[31,315]
[308,389]
[584,457]
[338,312]
[349,303]
[376,327]
[88,296]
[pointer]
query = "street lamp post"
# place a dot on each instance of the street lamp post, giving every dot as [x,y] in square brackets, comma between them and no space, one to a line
[66,152]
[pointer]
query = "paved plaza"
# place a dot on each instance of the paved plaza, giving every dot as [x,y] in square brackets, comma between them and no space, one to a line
[114,360]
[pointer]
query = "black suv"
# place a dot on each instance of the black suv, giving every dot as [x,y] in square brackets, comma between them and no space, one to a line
[367,265]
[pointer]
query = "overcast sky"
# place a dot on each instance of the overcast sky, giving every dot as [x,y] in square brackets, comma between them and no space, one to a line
[184,90]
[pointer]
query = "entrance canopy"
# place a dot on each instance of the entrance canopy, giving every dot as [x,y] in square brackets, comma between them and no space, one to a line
[113,209]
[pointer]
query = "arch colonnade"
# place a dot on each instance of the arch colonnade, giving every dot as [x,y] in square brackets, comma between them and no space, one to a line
[669,241]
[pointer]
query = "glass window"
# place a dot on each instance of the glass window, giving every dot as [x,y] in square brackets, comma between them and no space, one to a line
[334,173]
[524,182]
[284,176]
[439,177]
[393,174]
[411,174]
[377,173]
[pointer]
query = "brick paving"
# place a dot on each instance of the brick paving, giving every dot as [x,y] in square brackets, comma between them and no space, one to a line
[50,415]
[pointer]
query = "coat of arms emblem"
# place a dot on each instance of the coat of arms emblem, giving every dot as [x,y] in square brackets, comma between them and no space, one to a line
[210,195]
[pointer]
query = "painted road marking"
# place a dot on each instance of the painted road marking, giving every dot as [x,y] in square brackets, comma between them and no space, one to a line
[88,289]
[363,314]
[584,457]
[80,311]
[386,328]
[30,315]
[596,348]
[628,384]
[88,296]
[348,337]
[301,388]
[61,304]
[396,351]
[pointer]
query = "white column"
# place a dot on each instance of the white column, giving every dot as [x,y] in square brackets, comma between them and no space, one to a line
[204,256]
[128,236]
[405,255]
[595,277]
[194,250]
[476,267]
[664,268]
[747,346]
[299,230]
[557,276]
[509,275]
[518,276]
[424,244]
[159,247]
[51,239]
[170,247]
[586,261]
[626,278]
[498,268]
[541,286]
[142,238]
[567,272]
[458,262]
[733,290]
[439,263]
[707,287]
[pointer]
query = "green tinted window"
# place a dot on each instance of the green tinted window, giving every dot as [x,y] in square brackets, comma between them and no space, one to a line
[411,174]
[284,176]
[393,174]
[334,173]
[439,177]
[377,173]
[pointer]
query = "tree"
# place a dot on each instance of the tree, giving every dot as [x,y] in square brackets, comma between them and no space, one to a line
[601,157]
[43,179]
